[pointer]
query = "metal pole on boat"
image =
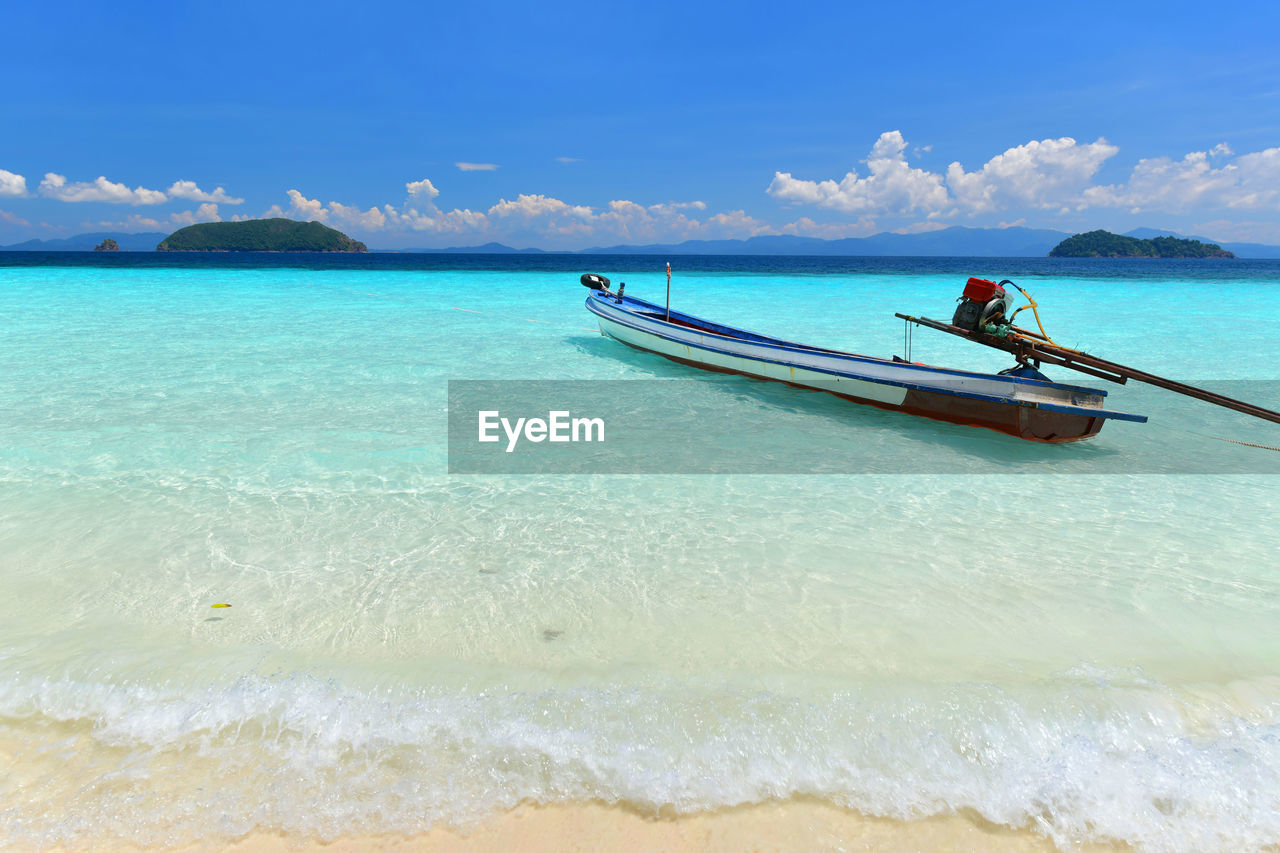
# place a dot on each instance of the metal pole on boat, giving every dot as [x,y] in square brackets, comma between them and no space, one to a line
[668,291]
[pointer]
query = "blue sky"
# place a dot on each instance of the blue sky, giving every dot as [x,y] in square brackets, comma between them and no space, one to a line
[567,125]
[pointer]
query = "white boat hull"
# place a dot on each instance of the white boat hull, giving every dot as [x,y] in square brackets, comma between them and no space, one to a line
[1028,408]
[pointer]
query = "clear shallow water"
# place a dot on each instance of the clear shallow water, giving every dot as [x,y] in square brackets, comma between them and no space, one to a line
[1089,655]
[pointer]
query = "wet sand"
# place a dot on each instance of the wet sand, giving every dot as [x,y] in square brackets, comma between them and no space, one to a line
[796,825]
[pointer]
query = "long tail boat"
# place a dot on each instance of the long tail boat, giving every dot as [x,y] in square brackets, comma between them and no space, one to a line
[1020,401]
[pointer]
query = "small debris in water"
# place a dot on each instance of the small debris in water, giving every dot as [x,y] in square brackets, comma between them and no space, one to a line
[488,571]
[549,634]
[219,605]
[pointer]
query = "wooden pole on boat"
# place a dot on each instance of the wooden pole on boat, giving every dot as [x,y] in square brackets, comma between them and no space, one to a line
[668,291]
[1024,348]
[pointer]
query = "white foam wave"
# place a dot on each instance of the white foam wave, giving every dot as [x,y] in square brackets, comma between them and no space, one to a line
[1078,760]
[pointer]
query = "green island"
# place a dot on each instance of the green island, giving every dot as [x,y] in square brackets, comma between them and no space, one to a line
[259,235]
[1104,244]
[107,245]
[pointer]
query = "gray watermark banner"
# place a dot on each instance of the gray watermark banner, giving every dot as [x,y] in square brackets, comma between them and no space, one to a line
[736,425]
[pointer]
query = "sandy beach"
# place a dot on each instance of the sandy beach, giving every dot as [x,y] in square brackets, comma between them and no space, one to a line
[796,825]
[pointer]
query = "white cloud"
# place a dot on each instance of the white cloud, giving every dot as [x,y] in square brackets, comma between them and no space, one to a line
[864,227]
[568,159]
[621,220]
[347,216]
[920,228]
[892,187]
[309,209]
[476,167]
[1053,176]
[133,222]
[1224,230]
[735,224]
[55,186]
[1044,174]
[675,206]
[435,220]
[1249,182]
[12,185]
[207,212]
[806,227]
[528,206]
[12,218]
[628,221]
[420,213]
[191,192]
[549,216]
[422,189]
[353,217]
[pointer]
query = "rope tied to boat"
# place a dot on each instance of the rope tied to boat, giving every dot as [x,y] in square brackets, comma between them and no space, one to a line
[1230,440]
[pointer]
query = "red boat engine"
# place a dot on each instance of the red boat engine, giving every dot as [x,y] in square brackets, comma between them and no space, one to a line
[982,303]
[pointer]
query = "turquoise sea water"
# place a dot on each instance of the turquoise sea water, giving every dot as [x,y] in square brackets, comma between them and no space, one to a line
[1091,655]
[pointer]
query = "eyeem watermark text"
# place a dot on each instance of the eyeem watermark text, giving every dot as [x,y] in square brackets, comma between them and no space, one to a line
[734,425]
[558,426]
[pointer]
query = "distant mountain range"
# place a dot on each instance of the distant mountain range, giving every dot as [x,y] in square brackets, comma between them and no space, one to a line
[145,242]
[956,241]
[486,249]
[1240,250]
